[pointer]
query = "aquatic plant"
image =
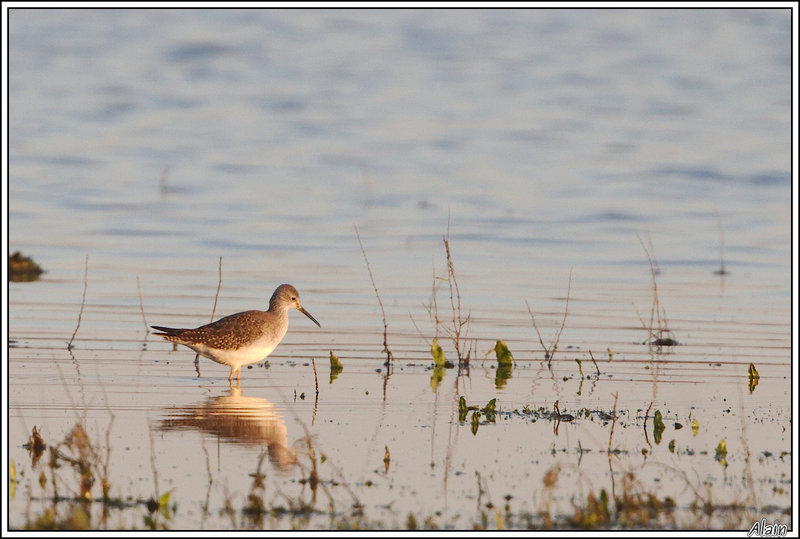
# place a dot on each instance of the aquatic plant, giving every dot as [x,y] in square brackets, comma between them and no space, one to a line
[336,367]
[658,426]
[380,303]
[83,301]
[505,362]
[657,326]
[549,351]
[721,453]
[457,325]
[23,268]
[752,377]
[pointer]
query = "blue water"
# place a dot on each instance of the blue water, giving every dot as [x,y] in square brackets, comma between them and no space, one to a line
[545,140]
[159,140]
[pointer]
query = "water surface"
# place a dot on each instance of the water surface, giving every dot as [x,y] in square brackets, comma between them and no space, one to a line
[541,142]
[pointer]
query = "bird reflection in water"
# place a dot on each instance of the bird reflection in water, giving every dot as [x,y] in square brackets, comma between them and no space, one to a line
[237,419]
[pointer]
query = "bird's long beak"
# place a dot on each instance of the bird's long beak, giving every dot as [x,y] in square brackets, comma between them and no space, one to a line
[305,312]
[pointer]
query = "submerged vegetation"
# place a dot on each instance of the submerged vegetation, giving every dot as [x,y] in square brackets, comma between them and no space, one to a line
[75,491]
[84,500]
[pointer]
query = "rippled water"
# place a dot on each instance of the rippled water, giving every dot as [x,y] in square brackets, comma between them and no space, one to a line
[543,142]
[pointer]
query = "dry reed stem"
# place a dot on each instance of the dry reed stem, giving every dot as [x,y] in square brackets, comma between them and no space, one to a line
[213,312]
[591,355]
[610,436]
[83,301]
[380,303]
[613,422]
[316,380]
[141,307]
[153,459]
[658,325]
[647,413]
[219,285]
[538,333]
[721,270]
[550,352]
[434,304]
[460,324]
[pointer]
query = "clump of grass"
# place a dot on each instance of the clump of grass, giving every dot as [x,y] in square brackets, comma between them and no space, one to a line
[71,500]
[657,327]
[457,326]
[549,351]
[23,268]
[633,509]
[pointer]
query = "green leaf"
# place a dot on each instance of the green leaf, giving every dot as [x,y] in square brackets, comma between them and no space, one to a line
[490,410]
[658,426]
[12,479]
[490,407]
[437,377]
[476,418]
[752,377]
[164,499]
[437,353]
[336,367]
[462,409]
[163,505]
[503,354]
[502,375]
[721,453]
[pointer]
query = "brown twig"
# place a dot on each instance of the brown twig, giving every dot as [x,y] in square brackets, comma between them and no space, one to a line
[550,352]
[458,333]
[213,312]
[141,307]
[658,326]
[316,380]
[538,333]
[613,422]
[219,285]
[83,301]
[647,413]
[566,310]
[380,303]
[721,270]
[591,355]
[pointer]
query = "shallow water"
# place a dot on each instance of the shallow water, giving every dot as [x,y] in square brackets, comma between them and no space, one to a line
[545,141]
